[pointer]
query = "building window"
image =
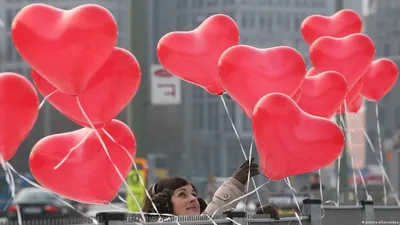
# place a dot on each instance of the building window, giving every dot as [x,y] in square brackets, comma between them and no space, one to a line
[10,14]
[386,49]
[197,93]
[213,115]
[11,53]
[228,2]
[244,21]
[387,134]
[198,116]
[252,20]
[212,3]
[373,136]
[397,116]
[198,3]
[231,105]
[182,4]
[280,20]
[197,20]
[231,14]
[246,123]
[287,20]
[382,116]
[297,22]
[386,98]
[181,23]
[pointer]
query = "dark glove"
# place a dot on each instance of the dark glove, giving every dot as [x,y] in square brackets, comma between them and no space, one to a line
[269,210]
[242,173]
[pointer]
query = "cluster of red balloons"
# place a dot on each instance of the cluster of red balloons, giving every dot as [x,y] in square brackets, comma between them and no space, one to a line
[290,107]
[78,68]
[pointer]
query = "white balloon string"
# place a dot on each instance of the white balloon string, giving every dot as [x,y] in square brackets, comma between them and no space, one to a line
[380,150]
[46,97]
[109,157]
[73,149]
[349,142]
[136,169]
[240,142]
[49,192]
[11,184]
[380,163]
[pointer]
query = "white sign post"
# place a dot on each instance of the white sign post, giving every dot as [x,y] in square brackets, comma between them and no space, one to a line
[165,87]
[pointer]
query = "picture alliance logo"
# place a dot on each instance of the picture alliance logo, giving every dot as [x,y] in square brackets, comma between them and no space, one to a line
[380,222]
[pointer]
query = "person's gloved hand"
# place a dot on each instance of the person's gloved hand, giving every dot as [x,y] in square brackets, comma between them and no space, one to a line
[269,210]
[242,173]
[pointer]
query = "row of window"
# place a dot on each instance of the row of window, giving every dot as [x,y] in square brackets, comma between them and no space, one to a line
[183,4]
[208,113]
[269,22]
[384,118]
[208,110]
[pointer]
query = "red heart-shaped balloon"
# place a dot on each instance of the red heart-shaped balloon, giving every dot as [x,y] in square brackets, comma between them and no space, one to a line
[351,95]
[296,97]
[108,92]
[290,141]
[66,46]
[87,175]
[349,56]
[380,77]
[352,107]
[323,94]
[193,56]
[311,72]
[248,73]
[19,109]
[341,24]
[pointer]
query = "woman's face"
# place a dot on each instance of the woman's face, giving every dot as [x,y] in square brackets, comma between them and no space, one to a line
[184,201]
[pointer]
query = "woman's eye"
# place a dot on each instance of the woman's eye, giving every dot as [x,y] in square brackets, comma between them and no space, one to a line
[181,194]
[194,194]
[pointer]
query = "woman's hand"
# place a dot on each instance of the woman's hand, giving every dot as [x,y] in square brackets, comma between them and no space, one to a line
[242,173]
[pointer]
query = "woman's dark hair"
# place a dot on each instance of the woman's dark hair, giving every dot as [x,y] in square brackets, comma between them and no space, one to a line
[161,193]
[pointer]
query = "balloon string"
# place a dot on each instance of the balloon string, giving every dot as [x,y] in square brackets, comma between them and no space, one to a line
[320,186]
[348,137]
[369,197]
[380,150]
[49,192]
[45,98]
[11,184]
[241,145]
[136,169]
[73,149]
[248,176]
[109,157]
[122,199]
[379,162]
[338,172]
[287,181]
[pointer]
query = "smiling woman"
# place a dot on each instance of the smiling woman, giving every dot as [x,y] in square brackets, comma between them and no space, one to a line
[177,196]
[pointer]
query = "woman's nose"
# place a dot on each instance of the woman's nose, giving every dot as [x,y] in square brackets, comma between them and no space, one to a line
[192,198]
